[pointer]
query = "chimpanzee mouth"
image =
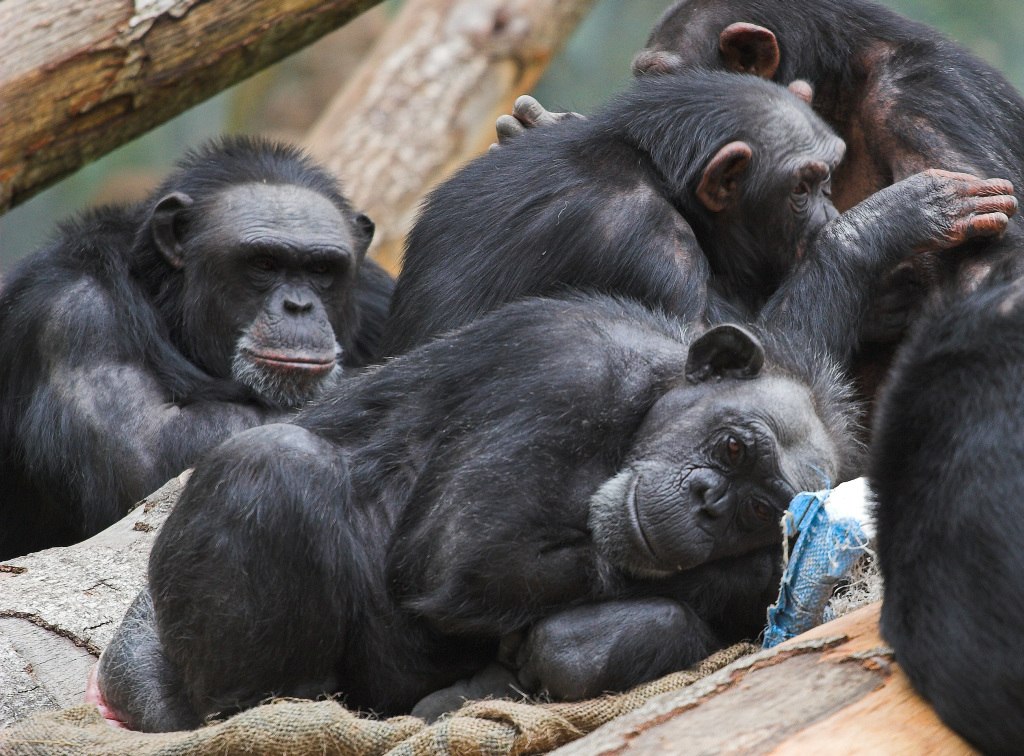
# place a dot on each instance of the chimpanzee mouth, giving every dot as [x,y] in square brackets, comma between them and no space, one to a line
[312,364]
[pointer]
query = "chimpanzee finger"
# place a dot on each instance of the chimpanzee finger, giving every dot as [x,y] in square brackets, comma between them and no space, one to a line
[508,128]
[991,188]
[1001,203]
[529,112]
[990,224]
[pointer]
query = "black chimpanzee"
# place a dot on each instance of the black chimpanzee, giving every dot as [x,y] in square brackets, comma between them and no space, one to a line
[145,334]
[551,467]
[946,468]
[553,455]
[609,203]
[902,96]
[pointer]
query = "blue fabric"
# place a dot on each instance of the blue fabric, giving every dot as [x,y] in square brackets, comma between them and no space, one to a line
[824,553]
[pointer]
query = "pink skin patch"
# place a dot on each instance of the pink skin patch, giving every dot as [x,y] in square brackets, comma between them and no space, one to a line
[94,695]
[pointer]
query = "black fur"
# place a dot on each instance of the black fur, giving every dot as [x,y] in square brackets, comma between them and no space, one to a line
[946,467]
[903,96]
[117,365]
[616,204]
[426,509]
[608,204]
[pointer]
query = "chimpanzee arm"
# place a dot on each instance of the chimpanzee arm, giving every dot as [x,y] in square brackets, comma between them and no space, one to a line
[99,421]
[509,506]
[825,300]
[589,650]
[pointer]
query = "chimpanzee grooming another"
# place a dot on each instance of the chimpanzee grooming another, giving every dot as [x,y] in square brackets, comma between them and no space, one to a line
[548,468]
[608,204]
[902,96]
[554,455]
[145,334]
[946,468]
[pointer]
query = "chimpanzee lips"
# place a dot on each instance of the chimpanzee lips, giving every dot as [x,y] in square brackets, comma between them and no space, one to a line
[297,361]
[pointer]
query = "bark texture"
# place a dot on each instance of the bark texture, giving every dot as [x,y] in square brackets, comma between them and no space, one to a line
[426,98]
[80,77]
[59,608]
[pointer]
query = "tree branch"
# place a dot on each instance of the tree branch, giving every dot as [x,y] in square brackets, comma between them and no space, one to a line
[80,77]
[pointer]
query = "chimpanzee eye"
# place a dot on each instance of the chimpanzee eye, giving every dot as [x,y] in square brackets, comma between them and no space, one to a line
[735,450]
[319,268]
[762,511]
[264,263]
[802,189]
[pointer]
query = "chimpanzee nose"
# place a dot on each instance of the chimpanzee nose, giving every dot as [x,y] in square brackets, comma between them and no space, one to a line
[712,495]
[297,308]
[296,301]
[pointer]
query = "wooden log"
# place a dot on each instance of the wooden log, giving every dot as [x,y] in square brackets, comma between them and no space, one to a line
[834,689]
[80,77]
[59,608]
[426,99]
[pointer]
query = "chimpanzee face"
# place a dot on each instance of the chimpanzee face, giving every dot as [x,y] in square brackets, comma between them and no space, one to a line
[710,473]
[269,272]
[769,192]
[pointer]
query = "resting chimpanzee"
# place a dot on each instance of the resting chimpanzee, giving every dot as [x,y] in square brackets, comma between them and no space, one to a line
[608,204]
[552,467]
[145,334]
[946,468]
[553,455]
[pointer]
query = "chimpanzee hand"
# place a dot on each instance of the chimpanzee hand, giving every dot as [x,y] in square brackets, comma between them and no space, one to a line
[585,651]
[955,207]
[526,113]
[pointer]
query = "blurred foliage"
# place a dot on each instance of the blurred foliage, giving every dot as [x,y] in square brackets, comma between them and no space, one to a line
[594,64]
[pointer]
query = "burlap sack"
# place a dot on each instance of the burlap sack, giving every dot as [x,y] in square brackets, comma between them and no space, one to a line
[480,728]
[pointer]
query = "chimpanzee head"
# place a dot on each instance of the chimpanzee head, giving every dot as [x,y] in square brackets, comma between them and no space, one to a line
[712,34]
[716,461]
[260,253]
[748,163]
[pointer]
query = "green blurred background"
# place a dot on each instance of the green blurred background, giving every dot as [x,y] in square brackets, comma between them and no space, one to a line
[285,99]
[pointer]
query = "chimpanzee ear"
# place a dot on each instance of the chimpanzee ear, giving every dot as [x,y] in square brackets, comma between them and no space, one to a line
[724,351]
[720,185]
[163,224]
[749,48]
[656,62]
[364,228]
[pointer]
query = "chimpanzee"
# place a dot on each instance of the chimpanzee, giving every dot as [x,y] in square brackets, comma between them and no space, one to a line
[608,204]
[903,97]
[549,468]
[946,468]
[144,334]
[557,455]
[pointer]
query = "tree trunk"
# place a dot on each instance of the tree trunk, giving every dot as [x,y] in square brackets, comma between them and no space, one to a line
[80,77]
[426,99]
